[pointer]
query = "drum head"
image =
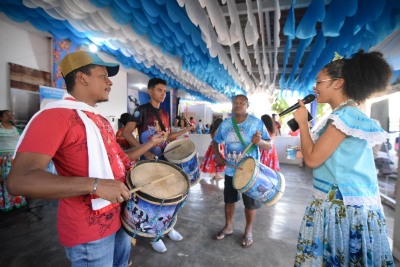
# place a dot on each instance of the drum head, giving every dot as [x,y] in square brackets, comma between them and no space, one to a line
[244,175]
[145,172]
[181,154]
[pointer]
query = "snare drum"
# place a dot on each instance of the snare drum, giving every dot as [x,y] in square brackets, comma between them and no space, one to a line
[185,157]
[151,212]
[259,182]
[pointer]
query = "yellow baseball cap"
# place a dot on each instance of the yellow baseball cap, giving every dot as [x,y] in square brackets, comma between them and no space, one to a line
[79,59]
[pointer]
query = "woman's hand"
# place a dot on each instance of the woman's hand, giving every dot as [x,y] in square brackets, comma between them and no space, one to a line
[301,114]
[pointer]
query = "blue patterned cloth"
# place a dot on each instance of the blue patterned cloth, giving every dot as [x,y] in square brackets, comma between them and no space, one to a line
[344,224]
[233,147]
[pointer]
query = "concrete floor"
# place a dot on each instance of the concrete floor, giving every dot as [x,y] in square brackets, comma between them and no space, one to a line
[28,242]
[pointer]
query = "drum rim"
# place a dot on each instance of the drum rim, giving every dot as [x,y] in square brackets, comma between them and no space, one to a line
[155,200]
[251,181]
[184,160]
[281,190]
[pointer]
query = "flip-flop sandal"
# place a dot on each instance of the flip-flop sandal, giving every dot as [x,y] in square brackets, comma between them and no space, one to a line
[247,241]
[221,235]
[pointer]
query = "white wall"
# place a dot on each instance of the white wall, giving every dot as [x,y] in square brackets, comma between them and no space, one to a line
[21,47]
[201,143]
[21,44]
[202,111]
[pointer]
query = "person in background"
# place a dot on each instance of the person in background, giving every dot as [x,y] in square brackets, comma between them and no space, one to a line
[182,126]
[295,133]
[176,121]
[151,119]
[9,136]
[269,157]
[175,126]
[90,164]
[199,127]
[344,223]
[123,120]
[192,123]
[277,124]
[209,164]
[252,131]
[207,128]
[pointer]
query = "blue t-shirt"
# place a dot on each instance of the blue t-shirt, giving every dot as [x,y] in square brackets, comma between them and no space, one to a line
[233,147]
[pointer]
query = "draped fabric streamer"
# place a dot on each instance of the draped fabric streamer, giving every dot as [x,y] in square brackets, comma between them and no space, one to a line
[251,31]
[306,78]
[199,17]
[154,37]
[360,25]
[315,13]
[187,42]
[264,81]
[265,64]
[296,63]
[336,15]
[277,29]
[289,31]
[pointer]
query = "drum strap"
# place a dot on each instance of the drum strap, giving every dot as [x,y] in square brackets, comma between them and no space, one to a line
[240,137]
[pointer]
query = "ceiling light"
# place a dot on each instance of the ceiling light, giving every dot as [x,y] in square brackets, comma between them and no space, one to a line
[140,86]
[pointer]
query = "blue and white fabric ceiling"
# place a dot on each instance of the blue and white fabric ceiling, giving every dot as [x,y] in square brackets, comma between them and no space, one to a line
[191,43]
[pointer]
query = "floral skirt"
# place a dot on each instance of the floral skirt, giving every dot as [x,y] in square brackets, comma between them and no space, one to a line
[332,234]
[209,164]
[7,201]
[269,157]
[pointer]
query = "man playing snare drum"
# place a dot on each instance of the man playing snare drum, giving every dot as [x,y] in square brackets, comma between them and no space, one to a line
[242,134]
[150,119]
[90,164]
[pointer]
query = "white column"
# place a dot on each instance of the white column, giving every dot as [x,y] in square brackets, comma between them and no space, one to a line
[396,234]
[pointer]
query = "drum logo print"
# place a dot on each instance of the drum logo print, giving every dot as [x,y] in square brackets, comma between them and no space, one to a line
[151,222]
[263,191]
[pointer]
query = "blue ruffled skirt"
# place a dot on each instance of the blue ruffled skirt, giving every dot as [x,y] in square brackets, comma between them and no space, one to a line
[332,234]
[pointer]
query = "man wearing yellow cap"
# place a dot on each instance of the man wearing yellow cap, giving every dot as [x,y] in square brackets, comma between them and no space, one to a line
[90,164]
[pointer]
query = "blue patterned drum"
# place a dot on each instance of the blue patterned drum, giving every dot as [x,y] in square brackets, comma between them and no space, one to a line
[185,157]
[151,212]
[259,182]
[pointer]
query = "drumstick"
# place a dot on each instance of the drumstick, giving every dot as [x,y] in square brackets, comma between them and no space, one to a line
[244,152]
[153,182]
[168,150]
[234,166]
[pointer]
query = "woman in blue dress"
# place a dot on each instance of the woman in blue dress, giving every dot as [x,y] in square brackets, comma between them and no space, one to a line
[344,223]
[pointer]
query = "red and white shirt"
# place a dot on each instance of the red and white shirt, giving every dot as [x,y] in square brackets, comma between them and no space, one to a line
[65,141]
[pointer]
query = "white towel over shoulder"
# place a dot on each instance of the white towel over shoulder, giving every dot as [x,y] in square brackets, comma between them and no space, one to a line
[99,165]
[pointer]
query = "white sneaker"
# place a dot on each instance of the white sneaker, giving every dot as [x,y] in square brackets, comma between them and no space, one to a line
[174,235]
[159,246]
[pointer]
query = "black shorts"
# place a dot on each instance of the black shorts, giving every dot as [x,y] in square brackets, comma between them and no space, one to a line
[231,195]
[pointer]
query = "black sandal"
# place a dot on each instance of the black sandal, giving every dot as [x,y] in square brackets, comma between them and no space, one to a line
[221,235]
[247,241]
